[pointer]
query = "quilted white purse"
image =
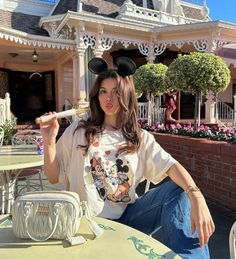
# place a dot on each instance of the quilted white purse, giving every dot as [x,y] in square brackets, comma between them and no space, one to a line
[51,214]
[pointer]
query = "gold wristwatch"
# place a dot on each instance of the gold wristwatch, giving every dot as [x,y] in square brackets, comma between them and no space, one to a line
[191,188]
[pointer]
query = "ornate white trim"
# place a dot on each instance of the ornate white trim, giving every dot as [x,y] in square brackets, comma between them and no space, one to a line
[31,40]
[143,48]
[150,50]
[201,45]
[106,43]
[179,44]
[159,48]
[89,40]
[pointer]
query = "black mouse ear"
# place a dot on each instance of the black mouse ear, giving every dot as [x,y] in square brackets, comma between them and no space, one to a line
[125,66]
[97,65]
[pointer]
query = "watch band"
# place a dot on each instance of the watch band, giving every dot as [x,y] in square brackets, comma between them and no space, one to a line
[191,188]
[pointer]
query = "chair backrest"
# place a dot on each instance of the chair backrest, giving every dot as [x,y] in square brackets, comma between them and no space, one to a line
[1,135]
[25,137]
[232,241]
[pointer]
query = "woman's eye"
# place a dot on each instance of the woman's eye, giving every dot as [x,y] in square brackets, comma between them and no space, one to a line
[102,92]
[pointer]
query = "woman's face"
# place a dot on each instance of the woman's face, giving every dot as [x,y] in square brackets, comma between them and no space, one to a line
[108,99]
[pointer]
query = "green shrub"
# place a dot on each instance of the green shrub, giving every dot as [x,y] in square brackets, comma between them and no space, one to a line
[9,130]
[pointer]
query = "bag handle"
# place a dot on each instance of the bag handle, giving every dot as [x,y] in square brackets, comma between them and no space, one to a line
[92,224]
[57,209]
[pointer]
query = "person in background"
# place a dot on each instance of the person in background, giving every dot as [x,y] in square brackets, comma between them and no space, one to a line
[105,156]
[170,105]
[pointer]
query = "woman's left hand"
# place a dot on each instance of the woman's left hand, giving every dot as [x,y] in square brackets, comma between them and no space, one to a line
[200,217]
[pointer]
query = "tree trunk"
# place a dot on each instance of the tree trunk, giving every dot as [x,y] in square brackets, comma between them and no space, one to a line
[197,111]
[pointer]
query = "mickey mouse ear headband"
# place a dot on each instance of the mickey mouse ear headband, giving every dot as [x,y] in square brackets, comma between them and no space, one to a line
[125,66]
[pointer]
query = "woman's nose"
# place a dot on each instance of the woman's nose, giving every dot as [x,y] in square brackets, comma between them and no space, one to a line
[109,97]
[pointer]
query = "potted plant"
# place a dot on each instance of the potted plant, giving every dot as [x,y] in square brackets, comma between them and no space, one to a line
[9,130]
[150,80]
[198,73]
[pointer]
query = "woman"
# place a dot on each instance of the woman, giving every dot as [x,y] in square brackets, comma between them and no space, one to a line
[170,105]
[105,157]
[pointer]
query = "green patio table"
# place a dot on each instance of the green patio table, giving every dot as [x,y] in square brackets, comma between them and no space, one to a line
[118,242]
[14,158]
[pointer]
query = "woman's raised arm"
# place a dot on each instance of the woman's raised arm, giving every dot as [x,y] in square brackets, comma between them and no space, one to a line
[49,131]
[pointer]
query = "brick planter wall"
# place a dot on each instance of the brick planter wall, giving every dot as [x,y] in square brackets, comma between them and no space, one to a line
[212,165]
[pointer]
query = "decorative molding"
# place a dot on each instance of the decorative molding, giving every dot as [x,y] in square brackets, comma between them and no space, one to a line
[155,48]
[217,44]
[201,45]
[51,29]
[39,41]
[179,44]
[79,36]
[159,48]
[89,40]
[106,43]
[67,33]
[143,48]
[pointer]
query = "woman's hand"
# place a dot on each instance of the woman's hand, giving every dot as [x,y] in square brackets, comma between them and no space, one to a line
[200,217]
[49,129]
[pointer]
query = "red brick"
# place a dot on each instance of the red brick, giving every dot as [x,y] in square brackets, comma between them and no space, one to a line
[212,165]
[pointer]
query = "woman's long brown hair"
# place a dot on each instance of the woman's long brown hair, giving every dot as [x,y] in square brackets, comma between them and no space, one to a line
[127,114]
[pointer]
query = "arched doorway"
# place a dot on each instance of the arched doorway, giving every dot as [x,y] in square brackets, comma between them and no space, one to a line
[32,94]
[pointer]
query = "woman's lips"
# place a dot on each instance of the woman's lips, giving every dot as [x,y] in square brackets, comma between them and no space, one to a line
[109,106]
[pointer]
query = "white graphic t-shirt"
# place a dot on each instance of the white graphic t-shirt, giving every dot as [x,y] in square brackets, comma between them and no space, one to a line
[105,179]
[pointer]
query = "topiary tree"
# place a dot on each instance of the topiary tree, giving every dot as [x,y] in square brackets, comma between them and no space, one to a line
[198,73]
[150,78]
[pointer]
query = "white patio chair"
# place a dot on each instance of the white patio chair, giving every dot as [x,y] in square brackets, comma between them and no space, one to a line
[25,178]
[1,135]
[232,241]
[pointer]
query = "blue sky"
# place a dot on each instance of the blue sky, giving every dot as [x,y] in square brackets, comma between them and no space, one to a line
[222,10]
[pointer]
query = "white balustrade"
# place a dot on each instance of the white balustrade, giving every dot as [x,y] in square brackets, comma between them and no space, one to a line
[151,111]
[5,111]
[225,114]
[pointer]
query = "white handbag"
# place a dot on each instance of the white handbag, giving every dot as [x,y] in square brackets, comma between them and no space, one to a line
[51,214]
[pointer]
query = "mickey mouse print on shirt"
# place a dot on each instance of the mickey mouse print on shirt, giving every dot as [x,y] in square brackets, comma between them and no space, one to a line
[112,180]
[122,192]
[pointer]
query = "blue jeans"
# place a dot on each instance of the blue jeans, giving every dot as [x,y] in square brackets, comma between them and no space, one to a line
[167,206]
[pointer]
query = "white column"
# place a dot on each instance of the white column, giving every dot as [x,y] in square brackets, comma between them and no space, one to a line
[145,3]
[79,91]
[210,108]
[81,75]
[75,94]
[8,106]
[98,51]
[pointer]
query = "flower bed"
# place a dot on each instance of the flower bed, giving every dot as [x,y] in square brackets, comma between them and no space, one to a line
[202,131]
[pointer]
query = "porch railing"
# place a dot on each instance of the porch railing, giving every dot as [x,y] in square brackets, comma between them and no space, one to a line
[5,111]
[152,112]
[225,115]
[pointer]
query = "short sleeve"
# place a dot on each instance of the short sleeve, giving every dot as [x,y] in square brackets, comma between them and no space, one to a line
[156,160]
[63,152]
